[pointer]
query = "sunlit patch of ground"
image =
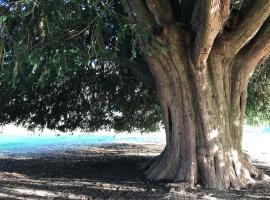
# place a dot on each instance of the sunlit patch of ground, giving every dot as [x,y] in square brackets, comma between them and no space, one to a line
[104,172]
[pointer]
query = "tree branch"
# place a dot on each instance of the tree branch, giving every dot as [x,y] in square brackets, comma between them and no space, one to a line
[139,69]
[187,7]
[257,50]
[254,53]
[139,11]
[209,17]
[162,11]
[248,26]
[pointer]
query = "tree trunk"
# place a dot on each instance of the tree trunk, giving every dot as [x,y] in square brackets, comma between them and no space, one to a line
[201,80]
[203,109]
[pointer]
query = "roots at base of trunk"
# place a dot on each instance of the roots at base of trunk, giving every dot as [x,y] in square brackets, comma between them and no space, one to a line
[233,173]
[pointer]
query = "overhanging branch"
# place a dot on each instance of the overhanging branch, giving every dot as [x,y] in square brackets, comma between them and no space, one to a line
[254,53]
[162,11]
[139,69]
[257,50]
[138,10]
[186,11]
[248,26]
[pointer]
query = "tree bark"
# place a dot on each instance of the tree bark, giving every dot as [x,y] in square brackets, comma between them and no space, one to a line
[203,119]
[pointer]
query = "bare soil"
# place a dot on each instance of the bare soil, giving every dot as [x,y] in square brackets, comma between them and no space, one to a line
[101,172]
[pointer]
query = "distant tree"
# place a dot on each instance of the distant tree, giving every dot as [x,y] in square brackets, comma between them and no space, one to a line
[81,64]
[258,106]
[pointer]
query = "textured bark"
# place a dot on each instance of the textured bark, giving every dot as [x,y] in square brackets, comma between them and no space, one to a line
[201,81]
[250,23]
[203,119]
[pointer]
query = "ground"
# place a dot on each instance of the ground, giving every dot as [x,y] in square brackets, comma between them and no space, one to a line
[101,172]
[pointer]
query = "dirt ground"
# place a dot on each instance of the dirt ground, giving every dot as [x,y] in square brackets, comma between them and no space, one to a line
[101,172]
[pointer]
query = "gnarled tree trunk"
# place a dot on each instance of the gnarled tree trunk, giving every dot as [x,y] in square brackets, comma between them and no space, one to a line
[201,81]
[203,125]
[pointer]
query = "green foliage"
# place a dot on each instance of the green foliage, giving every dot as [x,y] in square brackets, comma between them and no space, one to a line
[88,98]
[258,106]
[57,70]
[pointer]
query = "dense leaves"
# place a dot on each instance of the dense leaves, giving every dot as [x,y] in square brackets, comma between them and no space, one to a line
[88,98]
[57,70]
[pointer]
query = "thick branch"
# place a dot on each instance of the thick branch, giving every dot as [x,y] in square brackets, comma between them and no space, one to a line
[257,50]
[161,11]
[140,70]
[249,24]
[138,11]
[187,7]
[208,19]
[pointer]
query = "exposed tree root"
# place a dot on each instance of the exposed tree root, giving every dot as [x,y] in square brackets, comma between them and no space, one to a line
[255,173]
[237,174]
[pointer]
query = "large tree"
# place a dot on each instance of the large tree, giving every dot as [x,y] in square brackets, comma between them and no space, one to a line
[200,54]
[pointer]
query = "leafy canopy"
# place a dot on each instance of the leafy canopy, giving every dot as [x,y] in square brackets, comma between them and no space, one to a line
[65,65]
[57,70]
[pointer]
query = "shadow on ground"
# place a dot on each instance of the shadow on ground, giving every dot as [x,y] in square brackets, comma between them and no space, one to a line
[105,172]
